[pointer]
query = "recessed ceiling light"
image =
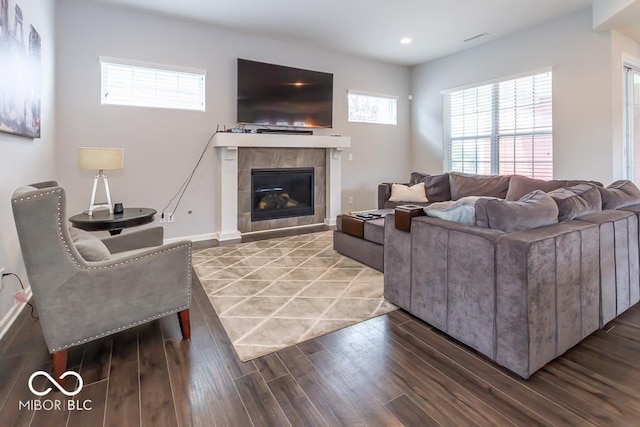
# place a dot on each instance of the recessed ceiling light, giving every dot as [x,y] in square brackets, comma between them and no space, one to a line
[405,40]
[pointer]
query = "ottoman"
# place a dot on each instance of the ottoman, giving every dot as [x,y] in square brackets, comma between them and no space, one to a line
[361,239]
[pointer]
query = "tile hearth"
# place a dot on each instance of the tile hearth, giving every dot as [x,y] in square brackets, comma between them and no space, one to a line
[274,293]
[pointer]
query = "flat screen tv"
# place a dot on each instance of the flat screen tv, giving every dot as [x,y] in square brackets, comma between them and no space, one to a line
[276,95]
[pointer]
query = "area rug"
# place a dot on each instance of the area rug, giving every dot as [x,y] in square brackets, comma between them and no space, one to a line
[271,294]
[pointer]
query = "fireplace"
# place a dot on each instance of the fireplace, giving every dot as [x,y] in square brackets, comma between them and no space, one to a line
[281,193]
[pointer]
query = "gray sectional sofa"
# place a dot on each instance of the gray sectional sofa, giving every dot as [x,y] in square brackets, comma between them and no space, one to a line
[516,284]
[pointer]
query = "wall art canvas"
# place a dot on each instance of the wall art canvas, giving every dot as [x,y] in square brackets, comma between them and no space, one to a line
[20,75]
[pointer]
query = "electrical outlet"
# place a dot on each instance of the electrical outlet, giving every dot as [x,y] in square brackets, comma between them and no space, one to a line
[168,217]
[350,200]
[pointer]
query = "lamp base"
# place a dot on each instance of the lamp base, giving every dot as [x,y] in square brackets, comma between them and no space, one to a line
[93,206]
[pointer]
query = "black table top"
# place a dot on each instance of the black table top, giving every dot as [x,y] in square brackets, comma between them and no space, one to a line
[102,220]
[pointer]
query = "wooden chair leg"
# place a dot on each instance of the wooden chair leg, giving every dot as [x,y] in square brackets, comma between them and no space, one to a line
[59,363]
[185,324]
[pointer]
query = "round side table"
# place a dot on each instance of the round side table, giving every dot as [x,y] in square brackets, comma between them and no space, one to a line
[102,220]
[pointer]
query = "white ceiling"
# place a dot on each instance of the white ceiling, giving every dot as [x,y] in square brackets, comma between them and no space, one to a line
[371,28]
[627,21]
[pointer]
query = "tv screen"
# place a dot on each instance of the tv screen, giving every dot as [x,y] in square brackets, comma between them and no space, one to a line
[275,95]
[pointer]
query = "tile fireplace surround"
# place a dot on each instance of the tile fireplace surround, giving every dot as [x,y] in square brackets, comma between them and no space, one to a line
[227,146]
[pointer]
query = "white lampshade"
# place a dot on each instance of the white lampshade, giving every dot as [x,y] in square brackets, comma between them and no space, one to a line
[95,158]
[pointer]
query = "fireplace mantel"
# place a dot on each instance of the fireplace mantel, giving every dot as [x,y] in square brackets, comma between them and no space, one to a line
[227,144]
[274,140]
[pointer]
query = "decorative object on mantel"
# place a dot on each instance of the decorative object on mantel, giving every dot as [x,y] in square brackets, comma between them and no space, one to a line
[271,294]
[20,73]
[101,159]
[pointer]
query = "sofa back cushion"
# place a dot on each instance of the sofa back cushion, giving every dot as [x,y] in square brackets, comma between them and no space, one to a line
[463,185]
[619,194]
[575,201]
[533,210]
[521,185]
[436,186]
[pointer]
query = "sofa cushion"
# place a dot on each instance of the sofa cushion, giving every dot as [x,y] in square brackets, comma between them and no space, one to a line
[533,210]
[374,230]
[619,194]
[437,186]
[403,193]
[462,210]
[417,177]
[463,185]
[89,246]
[576,201]
[521,185]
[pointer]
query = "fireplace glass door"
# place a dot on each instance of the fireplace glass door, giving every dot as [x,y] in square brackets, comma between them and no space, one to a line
[281,193]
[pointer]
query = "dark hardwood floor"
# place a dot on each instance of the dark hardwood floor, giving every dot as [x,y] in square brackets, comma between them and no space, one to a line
[391,370]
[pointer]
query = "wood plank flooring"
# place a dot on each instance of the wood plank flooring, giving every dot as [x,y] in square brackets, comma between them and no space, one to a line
[392,370]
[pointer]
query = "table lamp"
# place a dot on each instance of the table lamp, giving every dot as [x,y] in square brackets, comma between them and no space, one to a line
[93,158]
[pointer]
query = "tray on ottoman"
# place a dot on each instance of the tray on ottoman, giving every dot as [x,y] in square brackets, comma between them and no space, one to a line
[404,214]
[353,224]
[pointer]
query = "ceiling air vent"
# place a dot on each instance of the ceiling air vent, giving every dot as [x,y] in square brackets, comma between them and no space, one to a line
[477,36]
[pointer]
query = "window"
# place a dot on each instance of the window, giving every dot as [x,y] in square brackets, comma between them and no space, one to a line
[137,84]
[501,128]
[368,108]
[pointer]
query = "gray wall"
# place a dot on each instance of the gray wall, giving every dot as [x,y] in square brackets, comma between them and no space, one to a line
[584,145]
[24,160]
[161,146]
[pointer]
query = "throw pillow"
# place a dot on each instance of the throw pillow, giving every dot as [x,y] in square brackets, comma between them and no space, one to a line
[89,246]
[404,193]
[462,211]
[533,210]
[462,185]
[620,194]
[576,201]
[436,186]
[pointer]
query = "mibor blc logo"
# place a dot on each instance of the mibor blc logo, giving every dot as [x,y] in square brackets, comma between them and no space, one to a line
[55,404]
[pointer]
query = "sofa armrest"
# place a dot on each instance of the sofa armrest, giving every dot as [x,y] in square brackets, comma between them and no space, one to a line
[147,237]
[453,279]
[547,293]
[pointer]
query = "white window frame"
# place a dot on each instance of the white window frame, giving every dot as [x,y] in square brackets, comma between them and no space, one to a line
[629,63]
[168,96]
[364,117]
[492,133]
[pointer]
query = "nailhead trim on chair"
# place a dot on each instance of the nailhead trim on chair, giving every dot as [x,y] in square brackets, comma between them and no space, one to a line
[85,267]
[112,331]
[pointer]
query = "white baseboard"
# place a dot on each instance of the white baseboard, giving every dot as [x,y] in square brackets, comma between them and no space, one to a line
[9,319]
[194,238]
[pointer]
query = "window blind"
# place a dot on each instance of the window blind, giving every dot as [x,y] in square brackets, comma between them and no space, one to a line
[147,86]
[501,128]
[370,108]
